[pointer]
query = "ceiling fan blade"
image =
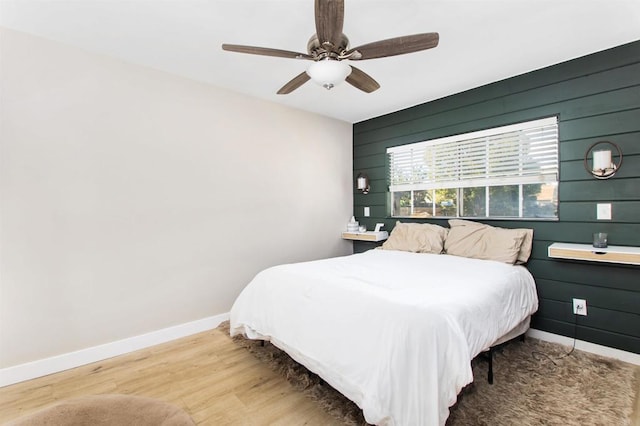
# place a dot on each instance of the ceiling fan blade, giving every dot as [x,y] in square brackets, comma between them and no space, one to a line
[361,80]
[265,51]
[329,20]
[394,46]
[296,82]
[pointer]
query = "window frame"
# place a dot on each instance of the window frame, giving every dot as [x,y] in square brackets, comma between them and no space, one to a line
[533,142]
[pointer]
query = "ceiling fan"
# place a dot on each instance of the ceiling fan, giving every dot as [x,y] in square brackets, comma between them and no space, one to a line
[328,47]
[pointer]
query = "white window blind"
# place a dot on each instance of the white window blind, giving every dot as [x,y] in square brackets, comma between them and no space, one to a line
[522,153]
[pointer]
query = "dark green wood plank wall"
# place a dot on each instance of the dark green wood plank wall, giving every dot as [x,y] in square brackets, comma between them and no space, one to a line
[596,97]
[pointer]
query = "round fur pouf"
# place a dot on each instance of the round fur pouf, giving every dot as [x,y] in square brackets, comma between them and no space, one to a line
[108,410]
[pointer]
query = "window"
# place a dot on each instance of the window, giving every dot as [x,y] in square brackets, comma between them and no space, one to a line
[504,172]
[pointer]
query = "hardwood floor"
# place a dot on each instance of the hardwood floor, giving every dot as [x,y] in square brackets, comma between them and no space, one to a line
[212,379]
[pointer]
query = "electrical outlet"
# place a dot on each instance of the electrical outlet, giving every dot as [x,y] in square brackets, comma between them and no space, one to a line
[367,212]
[579,307]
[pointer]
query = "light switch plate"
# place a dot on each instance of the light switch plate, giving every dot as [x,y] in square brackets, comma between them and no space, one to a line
[367,212]
[603,211]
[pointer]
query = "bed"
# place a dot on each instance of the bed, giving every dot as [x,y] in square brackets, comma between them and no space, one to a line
[394,331]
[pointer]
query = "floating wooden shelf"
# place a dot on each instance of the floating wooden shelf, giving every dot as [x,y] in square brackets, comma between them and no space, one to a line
[612,254]
[366,236]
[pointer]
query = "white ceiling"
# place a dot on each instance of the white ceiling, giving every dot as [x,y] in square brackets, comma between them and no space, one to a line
[481,41]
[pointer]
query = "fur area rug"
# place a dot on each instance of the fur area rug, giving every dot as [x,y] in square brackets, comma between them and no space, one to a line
[535,383]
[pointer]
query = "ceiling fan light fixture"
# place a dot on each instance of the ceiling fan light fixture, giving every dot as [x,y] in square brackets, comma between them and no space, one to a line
[329,46]
[329,72]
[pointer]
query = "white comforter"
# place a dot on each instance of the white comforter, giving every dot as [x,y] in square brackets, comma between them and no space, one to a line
[393,331]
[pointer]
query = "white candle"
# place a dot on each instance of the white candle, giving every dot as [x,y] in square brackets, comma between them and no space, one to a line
[362,183]
[601,160]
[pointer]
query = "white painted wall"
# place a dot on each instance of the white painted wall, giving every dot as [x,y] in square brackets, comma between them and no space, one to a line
[133,200]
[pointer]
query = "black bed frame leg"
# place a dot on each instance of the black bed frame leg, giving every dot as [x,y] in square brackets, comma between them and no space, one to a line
[490,374]
[262,343]
[490,359]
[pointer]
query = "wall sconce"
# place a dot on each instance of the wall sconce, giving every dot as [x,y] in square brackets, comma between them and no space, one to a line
[362,183]
[602,162]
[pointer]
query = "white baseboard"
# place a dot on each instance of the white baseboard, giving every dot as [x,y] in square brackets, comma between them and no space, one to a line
[586,346]
[55,364]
